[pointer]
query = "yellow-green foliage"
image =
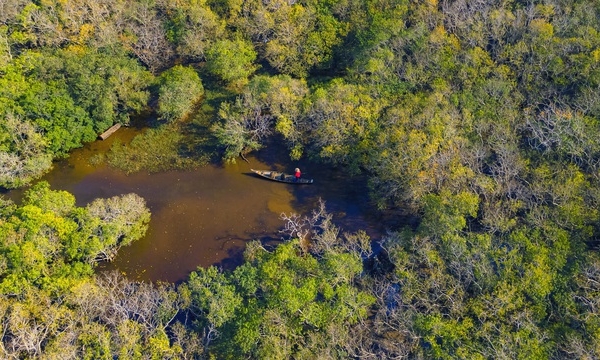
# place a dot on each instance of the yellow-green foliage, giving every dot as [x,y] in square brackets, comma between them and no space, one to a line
[179,89]
[478,122]
[281,298]
[49,243]
[160,149]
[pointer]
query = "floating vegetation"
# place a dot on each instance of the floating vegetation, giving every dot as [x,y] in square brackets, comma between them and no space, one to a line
[154,150]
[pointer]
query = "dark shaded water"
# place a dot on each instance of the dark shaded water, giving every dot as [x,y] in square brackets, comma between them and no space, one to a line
[204,217]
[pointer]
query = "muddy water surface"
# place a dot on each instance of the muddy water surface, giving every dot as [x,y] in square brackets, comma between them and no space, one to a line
[205,216]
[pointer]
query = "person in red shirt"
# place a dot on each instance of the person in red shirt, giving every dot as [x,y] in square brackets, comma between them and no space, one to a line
[297,174]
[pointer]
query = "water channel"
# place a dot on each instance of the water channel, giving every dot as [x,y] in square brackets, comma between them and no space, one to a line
[205,216]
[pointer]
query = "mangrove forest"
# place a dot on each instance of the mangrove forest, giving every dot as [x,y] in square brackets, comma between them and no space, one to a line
[472,127]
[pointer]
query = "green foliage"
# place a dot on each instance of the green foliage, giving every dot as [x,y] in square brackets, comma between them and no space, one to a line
[23,152]
[481,122]
[193,26]
[343,117]
[5,55]
[95,342]
[293,37]
[231,60]
[116,222]
[59,202]
[214,295]
[179,89]
[55,101]
[446,213]
[465,295]
[446,337]
[107,85]
[159,346]
[239,132]
[273,303]
[267,103]
[50,243]
[47,105]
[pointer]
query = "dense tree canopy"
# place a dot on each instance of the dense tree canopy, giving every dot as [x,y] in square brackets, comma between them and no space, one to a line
[66,97]
[48,242]
[480,120]
[179,89]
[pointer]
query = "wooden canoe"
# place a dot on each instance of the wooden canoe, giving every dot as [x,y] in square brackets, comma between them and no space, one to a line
[281,177]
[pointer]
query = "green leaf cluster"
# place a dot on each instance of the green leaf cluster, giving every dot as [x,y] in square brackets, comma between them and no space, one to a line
[279,302]
[179,89]
[231,60]
[56,100]
[49,243]
[478,121]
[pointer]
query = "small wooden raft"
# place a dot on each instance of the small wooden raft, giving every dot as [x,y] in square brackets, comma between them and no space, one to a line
[110,131]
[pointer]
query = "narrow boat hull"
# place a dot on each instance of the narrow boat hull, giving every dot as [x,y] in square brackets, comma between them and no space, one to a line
[281,177]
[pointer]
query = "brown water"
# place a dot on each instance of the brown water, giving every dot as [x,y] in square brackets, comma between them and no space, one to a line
[204,217]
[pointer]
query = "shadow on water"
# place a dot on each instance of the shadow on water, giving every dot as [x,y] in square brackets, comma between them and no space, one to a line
[205,216]
[345,197]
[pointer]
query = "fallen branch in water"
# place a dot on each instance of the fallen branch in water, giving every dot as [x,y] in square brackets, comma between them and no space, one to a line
[110,131]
